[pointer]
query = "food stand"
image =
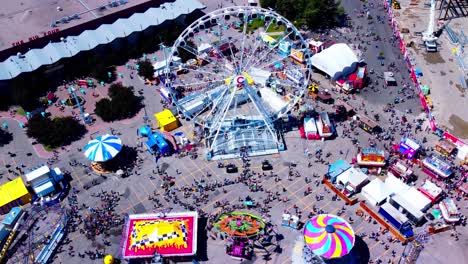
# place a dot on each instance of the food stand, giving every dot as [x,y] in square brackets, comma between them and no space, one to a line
[166,121]
[367,124]
[445,147]
[389,78]
[449,211]
[371,157]
[297,56]
[431,191]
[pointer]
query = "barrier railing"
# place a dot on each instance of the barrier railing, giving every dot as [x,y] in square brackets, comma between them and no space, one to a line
[382,222]
[339,193]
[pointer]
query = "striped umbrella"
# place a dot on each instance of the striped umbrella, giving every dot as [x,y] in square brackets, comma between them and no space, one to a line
[103,148]
[329,236]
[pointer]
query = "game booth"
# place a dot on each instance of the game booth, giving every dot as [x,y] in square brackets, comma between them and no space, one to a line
[308,129]
[436,167]
[284,48]
[241,227]
[325,127]
[371,157]
[167,234]
[449,210]
[400,170]
[408,148]
[315,45]
[431,191]
[297,56]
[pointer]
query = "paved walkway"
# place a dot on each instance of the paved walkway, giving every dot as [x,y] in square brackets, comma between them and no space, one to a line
[15,128]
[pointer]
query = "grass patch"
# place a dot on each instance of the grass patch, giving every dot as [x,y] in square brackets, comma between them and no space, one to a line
[252,26]
[48,148]
[275,28]
[277,37]
[21,111]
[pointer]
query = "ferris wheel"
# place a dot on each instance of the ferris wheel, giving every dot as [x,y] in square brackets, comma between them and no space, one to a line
[234,72]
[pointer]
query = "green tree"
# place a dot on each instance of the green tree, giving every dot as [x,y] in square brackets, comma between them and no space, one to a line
[103,109]
[123,103]
[55,132]
[101,72]
[146,69]
[184,54]
[268,3]
[311,13]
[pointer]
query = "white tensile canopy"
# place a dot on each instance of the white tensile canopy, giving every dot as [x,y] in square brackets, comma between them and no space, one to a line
[336,61]
[376,192]
[395,184]
[418,200]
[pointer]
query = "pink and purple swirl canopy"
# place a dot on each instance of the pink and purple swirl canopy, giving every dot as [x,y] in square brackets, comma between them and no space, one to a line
[329,236]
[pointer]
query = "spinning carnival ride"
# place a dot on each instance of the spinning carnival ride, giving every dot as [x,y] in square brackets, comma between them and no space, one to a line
[238,81]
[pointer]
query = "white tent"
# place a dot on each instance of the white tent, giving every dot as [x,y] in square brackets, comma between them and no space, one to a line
[259,76]
[395,184]
[336,61]
[352,177]
[204,47]
[376,192]
[418,200]
[162,64]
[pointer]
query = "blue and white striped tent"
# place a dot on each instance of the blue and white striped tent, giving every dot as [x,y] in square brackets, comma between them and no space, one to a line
[103,148]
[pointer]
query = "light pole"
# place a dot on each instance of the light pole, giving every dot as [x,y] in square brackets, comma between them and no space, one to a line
[71,90]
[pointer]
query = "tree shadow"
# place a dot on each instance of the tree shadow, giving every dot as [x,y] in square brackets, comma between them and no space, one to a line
[125,160]
[5,137]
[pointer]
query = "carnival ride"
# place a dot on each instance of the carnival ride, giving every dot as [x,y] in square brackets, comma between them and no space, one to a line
[429,37]
[238,92]
[239,224]
[329,236]
[102,149]
[39,234]
[241,227]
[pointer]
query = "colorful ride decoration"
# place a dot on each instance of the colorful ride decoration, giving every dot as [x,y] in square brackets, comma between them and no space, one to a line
[103,148]
[329,236]
[239,224]
[173,234]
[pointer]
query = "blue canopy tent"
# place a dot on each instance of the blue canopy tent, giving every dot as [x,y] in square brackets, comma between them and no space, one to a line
[156,141]
[144,131]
